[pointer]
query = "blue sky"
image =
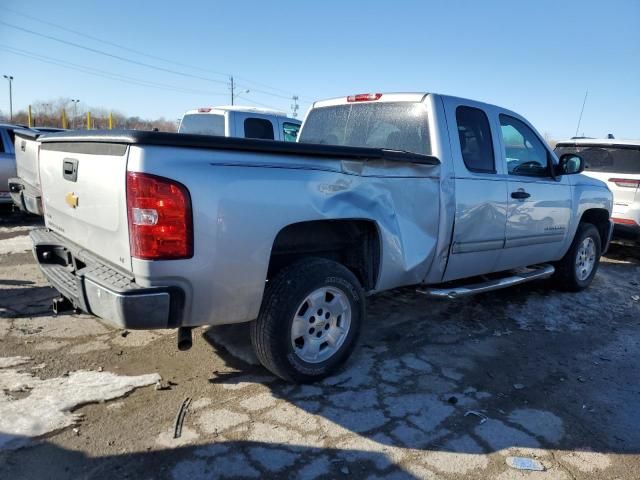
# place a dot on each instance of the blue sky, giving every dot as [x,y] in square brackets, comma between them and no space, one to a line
[537,58]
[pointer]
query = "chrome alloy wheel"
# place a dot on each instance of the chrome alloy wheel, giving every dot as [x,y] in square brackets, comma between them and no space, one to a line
[321,324]
[585,259]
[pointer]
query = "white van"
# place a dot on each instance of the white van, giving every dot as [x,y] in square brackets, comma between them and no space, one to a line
[242,122]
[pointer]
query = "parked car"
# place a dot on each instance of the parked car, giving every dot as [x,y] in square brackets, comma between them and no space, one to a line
[7,159]
[617,163]
[242,122]
[24,187]
[160,230]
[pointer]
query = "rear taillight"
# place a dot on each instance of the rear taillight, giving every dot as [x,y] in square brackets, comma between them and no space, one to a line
[625,182]
[624,221]
[160,220]
[204,109]
[364,97]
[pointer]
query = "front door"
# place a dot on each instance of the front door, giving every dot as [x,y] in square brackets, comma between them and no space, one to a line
[539,206]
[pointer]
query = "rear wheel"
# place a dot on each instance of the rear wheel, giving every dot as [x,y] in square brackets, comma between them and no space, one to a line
[309,321]
[578,267]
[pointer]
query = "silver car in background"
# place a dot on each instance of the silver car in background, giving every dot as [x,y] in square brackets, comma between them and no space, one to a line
[7,160]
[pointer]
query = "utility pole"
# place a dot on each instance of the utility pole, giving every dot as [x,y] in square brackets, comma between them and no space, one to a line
[45,115]
[75,111]
[295,107]
[232,89]
[10,79]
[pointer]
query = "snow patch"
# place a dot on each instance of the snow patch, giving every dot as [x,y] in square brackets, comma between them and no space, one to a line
[7,362]
[48,406]
[17,244]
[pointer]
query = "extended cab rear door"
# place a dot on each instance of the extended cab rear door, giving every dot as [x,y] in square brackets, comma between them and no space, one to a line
[480,190]
[539,205]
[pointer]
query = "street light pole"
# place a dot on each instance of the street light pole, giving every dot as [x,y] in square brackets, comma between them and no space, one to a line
[75,112]
[10,78]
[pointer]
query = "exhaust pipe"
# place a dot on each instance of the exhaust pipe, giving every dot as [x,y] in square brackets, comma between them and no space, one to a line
[185,341]
[61,305]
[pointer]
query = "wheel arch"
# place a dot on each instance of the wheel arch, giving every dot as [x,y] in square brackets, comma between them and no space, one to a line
[598,217]
[355,243]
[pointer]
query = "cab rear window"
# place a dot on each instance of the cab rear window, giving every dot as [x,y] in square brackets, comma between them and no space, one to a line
[392,125]
[203,124]
[605,158]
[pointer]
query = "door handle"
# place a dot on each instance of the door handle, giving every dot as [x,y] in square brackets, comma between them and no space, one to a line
[520,194]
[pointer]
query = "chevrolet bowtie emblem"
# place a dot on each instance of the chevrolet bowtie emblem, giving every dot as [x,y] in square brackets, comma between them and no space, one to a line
[71,199]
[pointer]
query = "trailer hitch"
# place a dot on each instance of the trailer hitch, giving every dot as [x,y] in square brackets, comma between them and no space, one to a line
[61,305]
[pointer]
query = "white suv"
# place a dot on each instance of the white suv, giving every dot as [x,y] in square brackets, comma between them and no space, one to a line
[616,162]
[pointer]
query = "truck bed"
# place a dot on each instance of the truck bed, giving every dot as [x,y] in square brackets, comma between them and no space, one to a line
[243,193]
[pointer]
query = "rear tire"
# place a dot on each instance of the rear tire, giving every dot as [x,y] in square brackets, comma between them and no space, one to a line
[309,321]
[577,268]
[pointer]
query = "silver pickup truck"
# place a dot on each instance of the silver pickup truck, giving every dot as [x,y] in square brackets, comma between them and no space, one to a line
[155,230]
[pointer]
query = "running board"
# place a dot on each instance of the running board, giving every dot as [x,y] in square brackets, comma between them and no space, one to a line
[537,272]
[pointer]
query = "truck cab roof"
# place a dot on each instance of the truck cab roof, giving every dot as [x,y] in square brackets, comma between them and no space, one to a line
[599,141]
[237,108]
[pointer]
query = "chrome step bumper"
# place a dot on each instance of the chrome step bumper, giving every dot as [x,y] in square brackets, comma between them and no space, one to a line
[537,272]
[98,289]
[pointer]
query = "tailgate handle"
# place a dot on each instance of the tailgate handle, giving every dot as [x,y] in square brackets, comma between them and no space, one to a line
[70,169]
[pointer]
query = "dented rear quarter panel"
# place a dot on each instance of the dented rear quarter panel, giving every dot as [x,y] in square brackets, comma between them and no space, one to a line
[241,201]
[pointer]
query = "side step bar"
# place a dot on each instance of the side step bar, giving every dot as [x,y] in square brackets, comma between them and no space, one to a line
[537,272]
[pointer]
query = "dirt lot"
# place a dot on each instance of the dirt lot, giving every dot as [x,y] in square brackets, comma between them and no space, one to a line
[437,389]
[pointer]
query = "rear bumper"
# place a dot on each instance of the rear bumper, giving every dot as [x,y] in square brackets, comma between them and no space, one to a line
[25,197]
[96,288]
[627,232]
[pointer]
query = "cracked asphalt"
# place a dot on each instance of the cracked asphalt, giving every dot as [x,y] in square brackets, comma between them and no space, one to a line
[437,389]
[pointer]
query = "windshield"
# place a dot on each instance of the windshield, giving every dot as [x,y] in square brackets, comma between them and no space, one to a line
[395,126]
[605,158]
[203,124]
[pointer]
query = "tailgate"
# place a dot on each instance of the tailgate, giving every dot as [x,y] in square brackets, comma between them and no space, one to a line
[27,146]
[84,195]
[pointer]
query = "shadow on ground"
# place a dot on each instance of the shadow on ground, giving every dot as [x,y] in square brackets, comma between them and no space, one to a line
[445,387]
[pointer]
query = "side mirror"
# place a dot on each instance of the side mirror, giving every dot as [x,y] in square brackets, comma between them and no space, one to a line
[569,164]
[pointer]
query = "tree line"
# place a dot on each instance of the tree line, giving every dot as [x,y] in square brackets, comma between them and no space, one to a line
[54,113]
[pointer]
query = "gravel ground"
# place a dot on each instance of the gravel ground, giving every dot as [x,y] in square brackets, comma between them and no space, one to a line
[437,389]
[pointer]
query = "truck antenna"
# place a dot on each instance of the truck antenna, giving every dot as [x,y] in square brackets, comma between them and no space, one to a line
[581,111]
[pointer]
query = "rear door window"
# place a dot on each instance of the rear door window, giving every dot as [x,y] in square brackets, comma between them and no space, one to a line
[606,158]
[258,128]
[476,144]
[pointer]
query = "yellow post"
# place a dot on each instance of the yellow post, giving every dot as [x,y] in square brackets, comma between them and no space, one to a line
[88,120]
[64,118]
[110,120]
[30,118]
